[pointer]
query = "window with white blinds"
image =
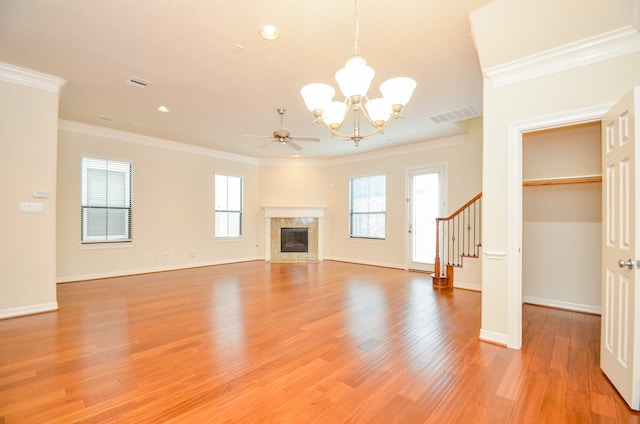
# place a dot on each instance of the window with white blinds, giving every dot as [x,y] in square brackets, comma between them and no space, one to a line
[106,201]
[368,207]
[228,206]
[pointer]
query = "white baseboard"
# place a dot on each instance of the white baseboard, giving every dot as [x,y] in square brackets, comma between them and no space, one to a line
[590,309]
[493,337]
[121,273]
[28,310]
[467,286]
[373,263]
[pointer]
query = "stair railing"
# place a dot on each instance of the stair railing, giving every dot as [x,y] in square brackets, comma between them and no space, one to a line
[457,236]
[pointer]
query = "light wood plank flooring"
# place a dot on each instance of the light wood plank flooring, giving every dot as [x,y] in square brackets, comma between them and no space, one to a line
[294,343]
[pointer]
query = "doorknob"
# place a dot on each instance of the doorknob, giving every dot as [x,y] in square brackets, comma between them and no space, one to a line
[622,263]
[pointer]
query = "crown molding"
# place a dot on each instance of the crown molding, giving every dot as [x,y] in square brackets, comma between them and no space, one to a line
[437,143]
[609,45]
[21,76]
[96,131]
[93,130]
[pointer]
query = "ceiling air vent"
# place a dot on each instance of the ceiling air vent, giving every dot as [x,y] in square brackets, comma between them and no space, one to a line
[138,82]
[454,115]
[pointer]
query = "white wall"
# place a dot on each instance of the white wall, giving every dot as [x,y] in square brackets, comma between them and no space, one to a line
[173,209]
[561,229]
[28,138]
[538,89]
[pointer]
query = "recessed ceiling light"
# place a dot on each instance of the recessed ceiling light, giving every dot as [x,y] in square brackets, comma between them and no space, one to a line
[269,32]
[163,109]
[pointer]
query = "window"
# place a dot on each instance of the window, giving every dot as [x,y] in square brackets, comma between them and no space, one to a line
[228,204]
[368,207]
[106,201]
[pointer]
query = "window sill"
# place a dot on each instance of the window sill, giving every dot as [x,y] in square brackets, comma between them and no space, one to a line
[227,239]
[107,245]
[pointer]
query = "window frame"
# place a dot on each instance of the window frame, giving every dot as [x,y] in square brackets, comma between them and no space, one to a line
[228,211]
[353,213]
[88,163]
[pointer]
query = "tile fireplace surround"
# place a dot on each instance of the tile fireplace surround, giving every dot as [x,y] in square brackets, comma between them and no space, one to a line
[277,217]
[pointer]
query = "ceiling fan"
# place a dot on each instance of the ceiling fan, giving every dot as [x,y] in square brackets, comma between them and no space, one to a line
[282,135]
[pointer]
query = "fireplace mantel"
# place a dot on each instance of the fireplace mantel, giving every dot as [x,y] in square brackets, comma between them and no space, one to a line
[293,211]
[276,212]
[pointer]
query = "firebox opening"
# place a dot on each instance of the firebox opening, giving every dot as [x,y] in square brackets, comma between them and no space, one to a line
[294,239]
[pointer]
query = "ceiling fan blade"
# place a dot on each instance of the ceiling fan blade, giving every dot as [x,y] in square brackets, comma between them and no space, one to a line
[265,145]
[305,138]
[294,145]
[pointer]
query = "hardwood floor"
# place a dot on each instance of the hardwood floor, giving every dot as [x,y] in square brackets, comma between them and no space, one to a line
[294,343]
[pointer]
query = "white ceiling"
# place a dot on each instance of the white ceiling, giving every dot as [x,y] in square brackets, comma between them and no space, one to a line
[218,93]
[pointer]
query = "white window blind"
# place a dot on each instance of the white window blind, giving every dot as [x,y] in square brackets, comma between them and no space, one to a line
[228,206]
[106,200]
[368,207]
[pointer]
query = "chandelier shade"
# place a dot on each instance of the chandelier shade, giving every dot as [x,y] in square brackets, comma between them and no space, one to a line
[398,91]
[355,78]
[317,95]
[354,81]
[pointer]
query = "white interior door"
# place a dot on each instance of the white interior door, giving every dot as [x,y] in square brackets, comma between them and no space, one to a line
[425,205]
[620,329]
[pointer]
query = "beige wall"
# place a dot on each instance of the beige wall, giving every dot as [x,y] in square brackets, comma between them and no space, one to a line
[520,28]
[173,189]
[539,95]
[28,137]
[462,159]
[173,200]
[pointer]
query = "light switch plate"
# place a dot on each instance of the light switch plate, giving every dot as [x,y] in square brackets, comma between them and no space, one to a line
[29,207]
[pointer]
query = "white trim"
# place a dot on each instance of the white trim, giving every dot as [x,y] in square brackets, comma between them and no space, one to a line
[126,272]
[371,263]
[93,130]
[494,256]
[294,211]
[570,306]
[21,76]
[514,210]
[467,286]
[439,143]
[606,46]
[493,337]
[28,310]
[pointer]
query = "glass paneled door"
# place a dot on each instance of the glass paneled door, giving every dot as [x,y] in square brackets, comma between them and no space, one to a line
[426,191]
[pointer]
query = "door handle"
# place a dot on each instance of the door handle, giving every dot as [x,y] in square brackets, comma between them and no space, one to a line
[622,263]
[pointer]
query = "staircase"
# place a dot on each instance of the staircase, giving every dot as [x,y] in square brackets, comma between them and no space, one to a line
[458,237]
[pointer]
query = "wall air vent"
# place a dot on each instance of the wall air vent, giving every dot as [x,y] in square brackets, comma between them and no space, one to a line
[454,115]
[105,118]
[138,82]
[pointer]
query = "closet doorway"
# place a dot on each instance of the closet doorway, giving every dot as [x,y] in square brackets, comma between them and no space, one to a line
[562,217]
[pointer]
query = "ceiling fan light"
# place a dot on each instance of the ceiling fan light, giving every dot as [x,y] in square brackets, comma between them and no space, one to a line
[317,95]
[355,78]
[398,91]
[379,110]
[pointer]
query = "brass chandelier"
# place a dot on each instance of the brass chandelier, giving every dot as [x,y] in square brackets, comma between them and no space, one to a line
[354,81]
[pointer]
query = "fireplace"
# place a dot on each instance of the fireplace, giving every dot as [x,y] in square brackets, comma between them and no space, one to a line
[294,239]
[280,220]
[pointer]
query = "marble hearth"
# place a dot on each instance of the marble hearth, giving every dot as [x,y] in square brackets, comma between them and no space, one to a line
[277,217]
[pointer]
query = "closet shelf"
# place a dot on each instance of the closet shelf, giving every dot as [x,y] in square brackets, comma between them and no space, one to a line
[563,180]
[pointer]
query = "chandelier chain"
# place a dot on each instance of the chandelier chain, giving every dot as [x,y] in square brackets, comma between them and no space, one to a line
[356,49]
